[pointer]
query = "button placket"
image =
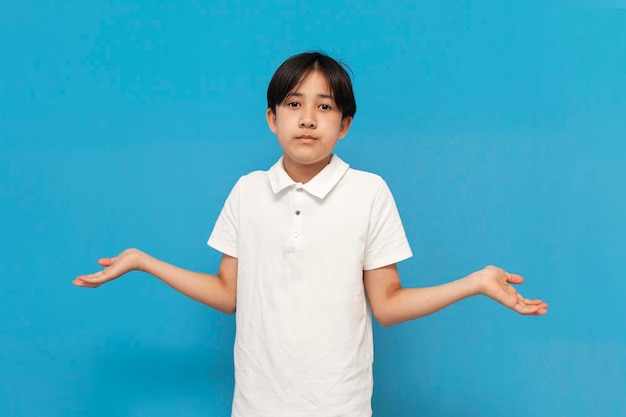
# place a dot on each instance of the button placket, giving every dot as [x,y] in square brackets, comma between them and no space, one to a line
[296,225]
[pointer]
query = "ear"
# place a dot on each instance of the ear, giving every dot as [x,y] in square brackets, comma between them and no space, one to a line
[345,126]
[271,119]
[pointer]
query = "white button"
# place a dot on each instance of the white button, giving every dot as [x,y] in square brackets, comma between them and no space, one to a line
[299,189]
[295,234]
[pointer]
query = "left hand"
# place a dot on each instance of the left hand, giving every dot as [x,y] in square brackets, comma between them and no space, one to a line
[496,283]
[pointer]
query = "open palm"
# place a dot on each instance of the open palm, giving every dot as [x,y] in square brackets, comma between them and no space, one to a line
[115,267]
[497,284]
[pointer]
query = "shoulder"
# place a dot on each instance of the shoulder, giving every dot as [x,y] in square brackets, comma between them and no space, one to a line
[252,180]
[362,189]
[364,175]
[252,186]
[364,180]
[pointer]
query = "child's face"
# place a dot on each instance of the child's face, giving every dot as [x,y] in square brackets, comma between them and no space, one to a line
[308,125]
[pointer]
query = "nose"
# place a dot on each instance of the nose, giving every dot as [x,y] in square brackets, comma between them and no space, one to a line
[307,123]
[307,120]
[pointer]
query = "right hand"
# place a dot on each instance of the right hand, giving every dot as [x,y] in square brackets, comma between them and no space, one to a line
[127,261]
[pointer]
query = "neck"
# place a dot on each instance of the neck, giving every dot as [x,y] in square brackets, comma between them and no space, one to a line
[304,173]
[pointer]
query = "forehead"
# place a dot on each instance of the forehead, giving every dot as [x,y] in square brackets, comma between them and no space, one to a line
[315,82]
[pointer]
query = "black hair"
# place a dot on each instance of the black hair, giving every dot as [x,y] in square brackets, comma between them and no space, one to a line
[295,69]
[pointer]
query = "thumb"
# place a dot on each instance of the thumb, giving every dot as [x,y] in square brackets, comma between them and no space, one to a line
[106,261]
[514,278]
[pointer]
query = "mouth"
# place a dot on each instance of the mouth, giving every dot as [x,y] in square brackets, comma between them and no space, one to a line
[306,138]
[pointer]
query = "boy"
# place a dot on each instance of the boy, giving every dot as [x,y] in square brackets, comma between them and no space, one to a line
[308,247]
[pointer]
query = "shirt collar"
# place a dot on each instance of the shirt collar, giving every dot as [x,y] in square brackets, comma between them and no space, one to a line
[319,186]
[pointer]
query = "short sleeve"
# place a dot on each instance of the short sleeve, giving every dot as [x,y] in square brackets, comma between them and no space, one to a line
[225,235]
[386,239]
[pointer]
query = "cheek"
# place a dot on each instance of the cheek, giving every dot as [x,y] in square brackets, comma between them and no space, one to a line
[283,120]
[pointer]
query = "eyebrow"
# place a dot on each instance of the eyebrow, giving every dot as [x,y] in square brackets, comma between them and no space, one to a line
[318,95]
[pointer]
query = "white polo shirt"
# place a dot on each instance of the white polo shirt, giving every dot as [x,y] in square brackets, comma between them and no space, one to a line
[304,329]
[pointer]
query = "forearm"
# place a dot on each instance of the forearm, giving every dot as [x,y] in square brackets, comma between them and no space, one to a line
[212,290]
[411,303]
[393,304]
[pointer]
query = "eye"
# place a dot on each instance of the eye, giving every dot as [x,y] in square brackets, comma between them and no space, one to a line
[293,104]
[325,107]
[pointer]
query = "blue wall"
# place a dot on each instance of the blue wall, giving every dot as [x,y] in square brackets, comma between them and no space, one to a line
[499,126]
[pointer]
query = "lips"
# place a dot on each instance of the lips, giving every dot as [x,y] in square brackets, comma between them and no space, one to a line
[306,139]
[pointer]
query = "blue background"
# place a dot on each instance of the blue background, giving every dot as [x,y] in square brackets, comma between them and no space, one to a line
[499,127]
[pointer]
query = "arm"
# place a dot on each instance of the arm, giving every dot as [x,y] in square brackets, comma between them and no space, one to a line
[217,291]
[392,304]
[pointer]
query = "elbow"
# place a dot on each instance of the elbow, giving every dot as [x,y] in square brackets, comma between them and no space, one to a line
[228,297]
[385,319]
[386,310]
[229,308]
[387,323]
[386,303]
[227,305]
[226,309]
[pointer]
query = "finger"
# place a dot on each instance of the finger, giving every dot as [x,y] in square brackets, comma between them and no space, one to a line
[80,282]
[514,278]
[90,277]
[538,311]
[106,261]
[525,300]
[95,278]
[529,302]
[534,302]
[533,309]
